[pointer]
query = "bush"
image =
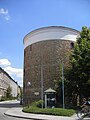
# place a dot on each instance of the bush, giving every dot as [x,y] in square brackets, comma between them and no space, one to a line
[38,103]
[49,111]
[3,98]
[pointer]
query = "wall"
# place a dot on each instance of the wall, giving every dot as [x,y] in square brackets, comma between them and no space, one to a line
[44,51]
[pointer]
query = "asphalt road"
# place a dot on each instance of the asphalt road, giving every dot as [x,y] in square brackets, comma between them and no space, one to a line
[4,106]
[7,105]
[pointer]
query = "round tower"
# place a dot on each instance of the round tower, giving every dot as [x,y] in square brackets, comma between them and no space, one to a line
[45,49]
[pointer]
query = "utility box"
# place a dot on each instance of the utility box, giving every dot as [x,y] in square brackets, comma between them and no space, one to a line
[50,98]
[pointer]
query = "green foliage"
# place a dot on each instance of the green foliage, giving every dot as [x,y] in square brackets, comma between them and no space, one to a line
[77,78]
[38,103]
[79,74]
[58,88]
[8,94]
[3,98]
[48,111]
[21,92]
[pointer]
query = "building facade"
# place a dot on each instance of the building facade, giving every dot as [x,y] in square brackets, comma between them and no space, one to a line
[45,49]
[5,82]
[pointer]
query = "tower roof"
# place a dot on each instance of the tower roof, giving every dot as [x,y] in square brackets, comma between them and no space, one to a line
[50,33]
[50,91]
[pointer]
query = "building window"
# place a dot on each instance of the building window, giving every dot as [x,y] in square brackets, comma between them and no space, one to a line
[24,53]
[71,45]
[24,72]
[30,47]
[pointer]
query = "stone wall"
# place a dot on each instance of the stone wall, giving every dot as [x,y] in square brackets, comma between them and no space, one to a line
[42,61]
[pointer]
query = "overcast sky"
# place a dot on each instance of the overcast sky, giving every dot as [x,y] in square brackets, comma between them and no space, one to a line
[19,17]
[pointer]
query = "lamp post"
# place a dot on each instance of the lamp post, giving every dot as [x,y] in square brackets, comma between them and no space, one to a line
[28,85]
[42,84]
[63,86]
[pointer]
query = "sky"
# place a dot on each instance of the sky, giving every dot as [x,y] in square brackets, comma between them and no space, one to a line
[19,17]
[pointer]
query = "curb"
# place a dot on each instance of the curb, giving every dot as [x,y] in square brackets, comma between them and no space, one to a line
[16,116]
[22,117]
[19,114]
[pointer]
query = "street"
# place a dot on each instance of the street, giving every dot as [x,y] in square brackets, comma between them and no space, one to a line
[13,108]
[5,106]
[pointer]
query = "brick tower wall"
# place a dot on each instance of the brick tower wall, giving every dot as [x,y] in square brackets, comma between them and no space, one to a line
[44,57]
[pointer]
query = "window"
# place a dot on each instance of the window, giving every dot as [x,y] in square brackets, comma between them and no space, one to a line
[71,45]
[24,53]
[30,47]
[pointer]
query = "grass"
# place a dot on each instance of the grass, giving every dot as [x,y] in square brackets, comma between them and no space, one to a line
[49,111]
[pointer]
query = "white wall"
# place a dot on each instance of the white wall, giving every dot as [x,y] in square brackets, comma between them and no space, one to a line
[4,83]
[50,33]
[14,88]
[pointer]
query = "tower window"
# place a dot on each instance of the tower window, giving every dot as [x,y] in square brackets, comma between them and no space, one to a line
[71,45]
[24,53]
[30,47]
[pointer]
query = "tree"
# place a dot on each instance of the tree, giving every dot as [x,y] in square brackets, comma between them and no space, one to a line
[80,61]
[59,89]
[8,94]
[77,77]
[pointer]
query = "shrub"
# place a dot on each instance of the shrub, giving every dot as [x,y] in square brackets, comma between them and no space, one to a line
[3,98]
[38,103]
[49,111]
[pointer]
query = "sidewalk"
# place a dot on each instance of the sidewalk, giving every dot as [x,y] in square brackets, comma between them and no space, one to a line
[17,112]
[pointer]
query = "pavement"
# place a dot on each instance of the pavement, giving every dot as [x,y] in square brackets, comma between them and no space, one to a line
[17,112]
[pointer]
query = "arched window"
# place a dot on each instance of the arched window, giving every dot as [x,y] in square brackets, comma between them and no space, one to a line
[30,47]
[71,45]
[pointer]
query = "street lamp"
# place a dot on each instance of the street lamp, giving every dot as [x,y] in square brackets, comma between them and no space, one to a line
[63,85]
[28,85]
[42,84]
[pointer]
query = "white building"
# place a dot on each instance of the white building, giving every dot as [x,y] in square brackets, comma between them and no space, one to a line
[14,88]
[5,82]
